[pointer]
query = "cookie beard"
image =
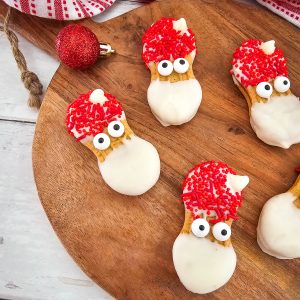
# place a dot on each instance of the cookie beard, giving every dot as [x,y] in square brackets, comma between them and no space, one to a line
[278,227]
[174,103]
[277,122]
[132,168]
[202,266]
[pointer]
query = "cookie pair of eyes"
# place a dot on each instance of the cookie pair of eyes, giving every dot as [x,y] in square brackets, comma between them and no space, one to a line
[221,231]
[265,89]
[102,141]
[180,65]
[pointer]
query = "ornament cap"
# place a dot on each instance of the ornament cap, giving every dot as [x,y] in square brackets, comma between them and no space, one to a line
[106,49]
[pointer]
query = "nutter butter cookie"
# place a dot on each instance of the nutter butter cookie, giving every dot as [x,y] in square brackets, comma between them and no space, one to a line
[169,49]
[278,230]
[127,163]
[203,255]
[259,70]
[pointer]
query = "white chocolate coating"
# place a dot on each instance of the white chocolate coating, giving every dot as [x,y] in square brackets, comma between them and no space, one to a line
[202,266]
[237,73]
[174,103]
[132,168]
[278,231]
[277,122]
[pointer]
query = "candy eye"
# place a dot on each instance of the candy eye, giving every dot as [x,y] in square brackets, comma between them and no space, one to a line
[281,84]
[165,68]
[181,65]
[221,231]
[200,228]
[101,141]
[115,129]
[264,90]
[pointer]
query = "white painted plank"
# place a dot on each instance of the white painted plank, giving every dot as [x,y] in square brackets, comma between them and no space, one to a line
[13,96]
[33,262]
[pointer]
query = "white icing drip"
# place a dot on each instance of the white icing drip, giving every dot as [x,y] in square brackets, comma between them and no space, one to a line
[202,266]
[236,183]
[97,96]
[193,54]
[132,168]
[268,47]
[180,25]
[277,122]
[238,74]
[278,231]
[174,103]
[76,133]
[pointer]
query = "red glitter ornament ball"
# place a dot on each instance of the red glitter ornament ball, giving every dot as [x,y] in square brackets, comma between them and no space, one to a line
[77,46]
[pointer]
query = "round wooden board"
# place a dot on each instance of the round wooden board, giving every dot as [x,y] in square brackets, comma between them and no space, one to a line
[125,243]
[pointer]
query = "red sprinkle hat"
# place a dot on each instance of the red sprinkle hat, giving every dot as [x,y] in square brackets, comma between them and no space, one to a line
[256,61]
[205,189]
[161,41]
[86,116]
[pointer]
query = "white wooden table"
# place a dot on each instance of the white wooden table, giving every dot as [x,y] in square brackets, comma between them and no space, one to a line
[33,262]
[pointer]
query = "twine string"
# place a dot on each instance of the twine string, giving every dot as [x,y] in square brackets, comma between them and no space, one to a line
[30,79]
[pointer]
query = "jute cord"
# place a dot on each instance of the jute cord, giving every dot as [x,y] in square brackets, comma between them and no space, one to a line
[30,79]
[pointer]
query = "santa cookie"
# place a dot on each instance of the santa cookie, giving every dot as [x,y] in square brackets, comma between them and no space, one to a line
[203,255]
[127,163]
[278,231]
[259,70]
[169,49]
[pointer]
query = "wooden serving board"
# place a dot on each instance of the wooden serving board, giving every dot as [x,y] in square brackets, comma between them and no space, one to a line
[125,243]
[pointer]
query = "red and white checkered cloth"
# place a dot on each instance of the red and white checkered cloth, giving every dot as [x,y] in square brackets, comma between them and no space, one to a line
[288,9]
[61,9]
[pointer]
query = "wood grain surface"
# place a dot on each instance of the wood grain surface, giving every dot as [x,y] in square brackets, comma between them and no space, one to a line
[125,243]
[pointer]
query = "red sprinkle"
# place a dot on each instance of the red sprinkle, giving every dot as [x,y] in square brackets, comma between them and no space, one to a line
[256,66]
[161,41]
[89,118]
[297,170]
[205,189]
